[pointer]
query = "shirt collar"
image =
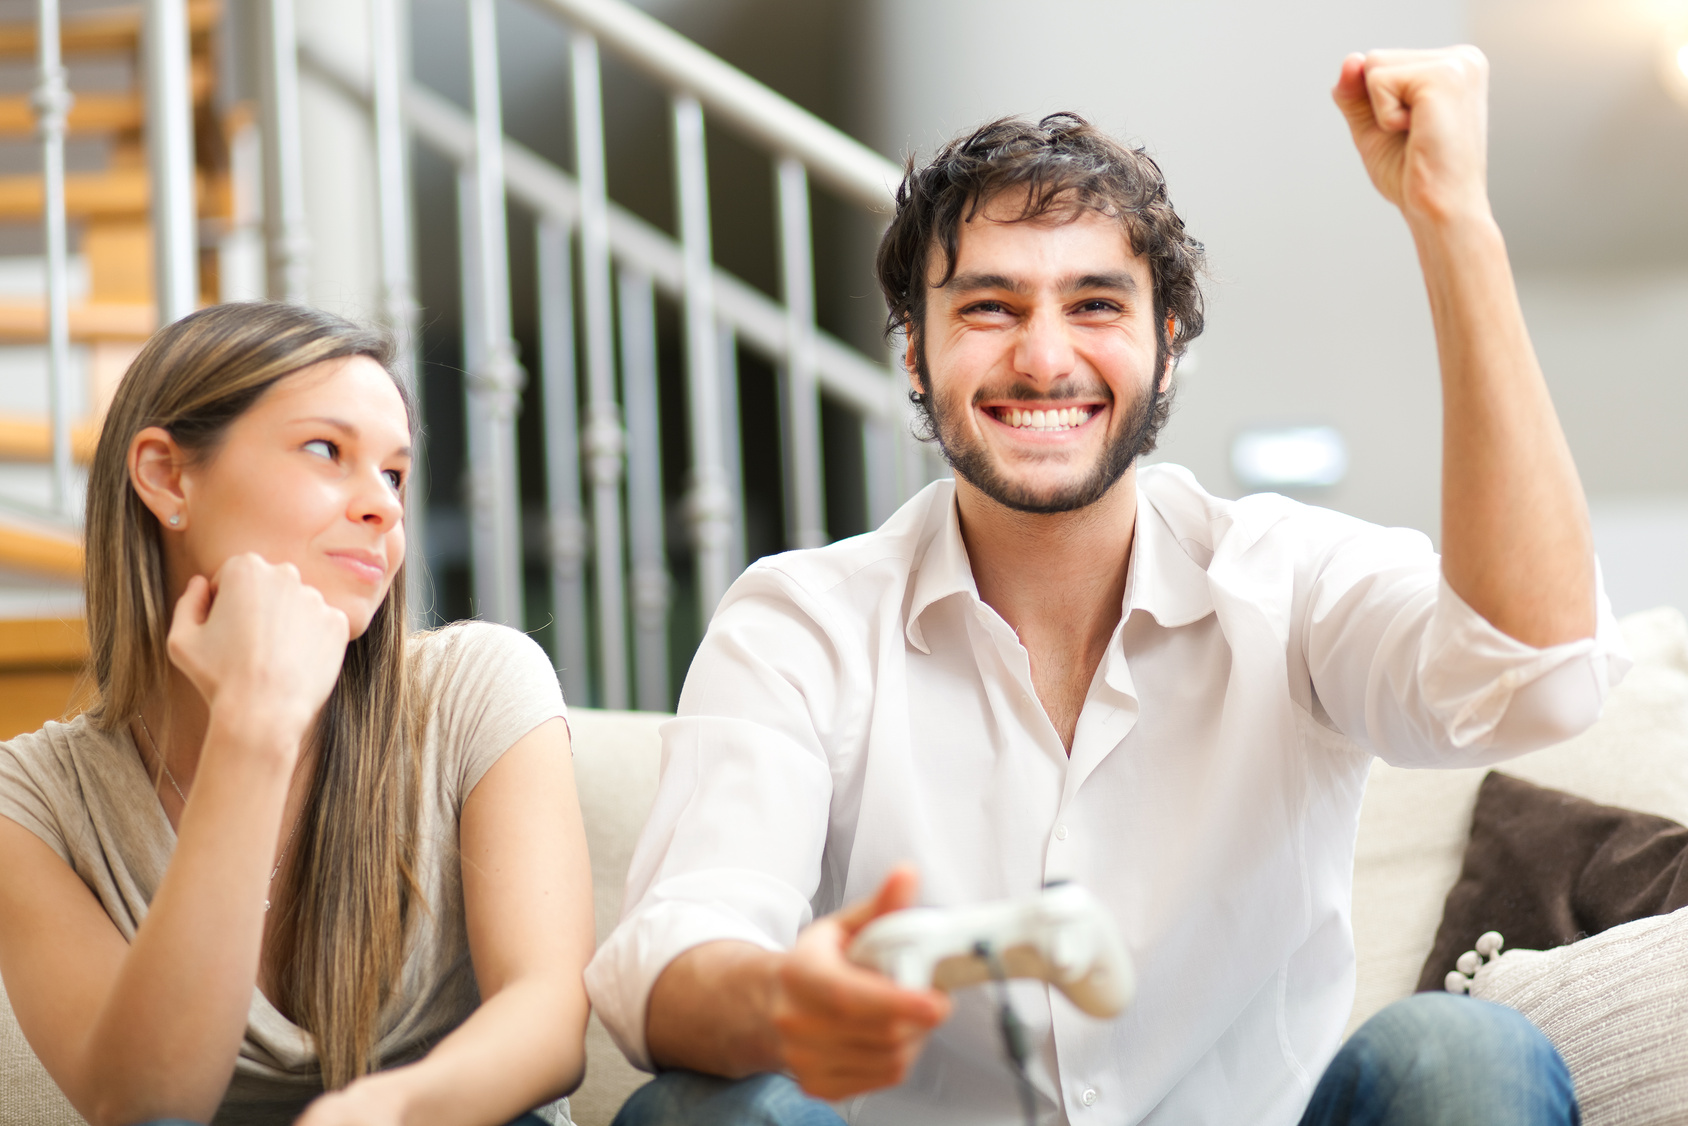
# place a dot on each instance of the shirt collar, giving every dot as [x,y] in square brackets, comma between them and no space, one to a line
[944,568]
[1164,581]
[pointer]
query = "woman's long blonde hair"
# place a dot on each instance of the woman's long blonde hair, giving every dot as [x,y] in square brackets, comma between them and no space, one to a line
[352,871]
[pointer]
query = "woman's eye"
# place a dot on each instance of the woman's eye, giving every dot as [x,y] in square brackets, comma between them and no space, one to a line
[322,447]
[395,478]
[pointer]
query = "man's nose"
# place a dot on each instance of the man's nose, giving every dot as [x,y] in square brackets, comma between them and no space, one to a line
[1044,352]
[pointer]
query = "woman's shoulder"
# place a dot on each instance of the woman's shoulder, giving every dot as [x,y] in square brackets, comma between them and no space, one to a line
[483,686]
[48,777]
[440,651]
[477,664]
[55,746]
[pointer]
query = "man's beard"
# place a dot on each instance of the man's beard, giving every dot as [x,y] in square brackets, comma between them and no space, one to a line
[974,464]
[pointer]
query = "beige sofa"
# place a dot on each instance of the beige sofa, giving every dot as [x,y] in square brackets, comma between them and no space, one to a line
[1412,834]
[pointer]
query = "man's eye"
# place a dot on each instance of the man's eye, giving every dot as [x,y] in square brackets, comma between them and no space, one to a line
[322,447]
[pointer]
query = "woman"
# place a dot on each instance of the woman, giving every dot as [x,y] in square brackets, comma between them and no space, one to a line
[291,848]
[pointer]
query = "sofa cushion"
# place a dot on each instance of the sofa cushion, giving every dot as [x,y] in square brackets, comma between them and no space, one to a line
[617,756]
[1546,868]
[1616,1007]
[1414,823]
[28,1097]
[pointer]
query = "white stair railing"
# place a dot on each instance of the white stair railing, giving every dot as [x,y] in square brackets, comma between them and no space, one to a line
[624,263]
[52,106]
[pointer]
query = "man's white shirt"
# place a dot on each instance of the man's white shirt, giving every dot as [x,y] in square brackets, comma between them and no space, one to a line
[858,705]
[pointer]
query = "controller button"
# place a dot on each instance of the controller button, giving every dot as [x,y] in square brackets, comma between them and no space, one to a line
[1060,832]
[1089,1096]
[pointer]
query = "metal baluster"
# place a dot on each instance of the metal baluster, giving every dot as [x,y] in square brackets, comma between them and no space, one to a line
[169,130]
[468,280]
[709,505]
[732,445]
[478,504]
[389,72]
[604,439]
[805,511]
[52,103]
[645,510]
[495,384]
[289,242]
[562,461]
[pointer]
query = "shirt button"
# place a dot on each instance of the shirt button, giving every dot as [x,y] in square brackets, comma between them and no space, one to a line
[1060,832]
[1089,1096]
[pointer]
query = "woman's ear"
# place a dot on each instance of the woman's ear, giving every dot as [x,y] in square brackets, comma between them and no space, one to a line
[156,463]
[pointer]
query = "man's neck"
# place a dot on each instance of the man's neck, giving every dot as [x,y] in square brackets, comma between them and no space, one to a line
[1058,580]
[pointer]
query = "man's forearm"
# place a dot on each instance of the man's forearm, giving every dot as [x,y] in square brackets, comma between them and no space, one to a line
[1516,543]
[711,1011]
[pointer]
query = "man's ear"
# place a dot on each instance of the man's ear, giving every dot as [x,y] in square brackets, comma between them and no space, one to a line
[156,465]
[1171,360]
[911,366]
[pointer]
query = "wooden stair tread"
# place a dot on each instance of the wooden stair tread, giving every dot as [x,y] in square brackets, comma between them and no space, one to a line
[26,321]
[37,643]
[90,113]
[119,192]
[114,30]
[26,438]
[39,551]
[114,192]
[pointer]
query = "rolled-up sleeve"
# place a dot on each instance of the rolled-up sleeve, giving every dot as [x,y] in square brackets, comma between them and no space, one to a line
[732,849]
[1406,668]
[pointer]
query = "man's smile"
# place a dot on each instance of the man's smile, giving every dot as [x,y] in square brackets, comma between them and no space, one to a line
[1047,418]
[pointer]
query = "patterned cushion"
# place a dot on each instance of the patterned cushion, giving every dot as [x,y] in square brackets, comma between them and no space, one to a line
[1616,1007]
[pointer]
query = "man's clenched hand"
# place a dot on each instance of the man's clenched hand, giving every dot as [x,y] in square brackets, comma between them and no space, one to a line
[1420,121]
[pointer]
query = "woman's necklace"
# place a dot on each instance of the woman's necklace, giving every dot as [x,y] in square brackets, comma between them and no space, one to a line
[165,763]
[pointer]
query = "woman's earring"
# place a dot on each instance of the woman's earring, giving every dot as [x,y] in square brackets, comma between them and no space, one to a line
[175,519]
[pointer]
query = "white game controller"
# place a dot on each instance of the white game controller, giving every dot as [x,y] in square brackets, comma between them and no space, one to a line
[1062,935]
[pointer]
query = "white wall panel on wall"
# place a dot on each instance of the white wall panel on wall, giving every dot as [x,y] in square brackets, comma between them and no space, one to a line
[1316,309]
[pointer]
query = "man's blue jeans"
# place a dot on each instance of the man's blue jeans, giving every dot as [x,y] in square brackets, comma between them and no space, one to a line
[1432,1060]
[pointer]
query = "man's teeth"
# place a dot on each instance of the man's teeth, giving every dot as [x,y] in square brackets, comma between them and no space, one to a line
[1046,420]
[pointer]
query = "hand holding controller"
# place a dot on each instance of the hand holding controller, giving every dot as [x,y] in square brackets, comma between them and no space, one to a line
[1062,935]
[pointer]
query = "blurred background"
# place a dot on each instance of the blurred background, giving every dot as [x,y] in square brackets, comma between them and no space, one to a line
[630,391]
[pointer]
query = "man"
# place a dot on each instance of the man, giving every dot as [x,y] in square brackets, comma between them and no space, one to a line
[1062,668]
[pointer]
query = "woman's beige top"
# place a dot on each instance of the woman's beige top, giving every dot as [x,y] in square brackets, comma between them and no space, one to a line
[89,796]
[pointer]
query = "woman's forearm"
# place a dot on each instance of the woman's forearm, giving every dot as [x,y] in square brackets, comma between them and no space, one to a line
[523,1047]
[165,1041]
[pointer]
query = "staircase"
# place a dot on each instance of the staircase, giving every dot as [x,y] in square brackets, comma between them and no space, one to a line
[614,559]
[113,308]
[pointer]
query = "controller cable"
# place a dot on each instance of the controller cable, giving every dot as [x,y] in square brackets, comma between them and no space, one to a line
[1014,1037]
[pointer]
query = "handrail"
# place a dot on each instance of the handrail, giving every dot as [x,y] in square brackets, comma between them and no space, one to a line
[540,185]
[832,155]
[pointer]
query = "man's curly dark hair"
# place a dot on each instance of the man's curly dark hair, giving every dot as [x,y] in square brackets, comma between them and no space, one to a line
[1060,164]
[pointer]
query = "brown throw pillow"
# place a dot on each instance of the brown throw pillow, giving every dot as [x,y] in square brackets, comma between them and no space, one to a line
[1546,868]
